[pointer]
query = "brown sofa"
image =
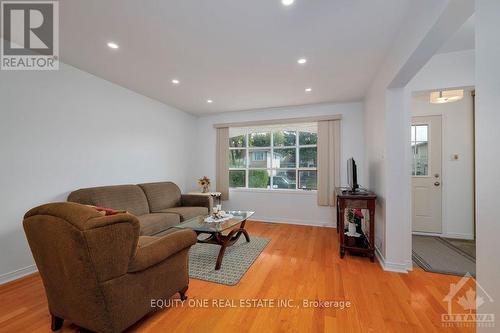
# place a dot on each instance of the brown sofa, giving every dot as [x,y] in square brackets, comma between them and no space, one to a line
[97,271]
[158,206]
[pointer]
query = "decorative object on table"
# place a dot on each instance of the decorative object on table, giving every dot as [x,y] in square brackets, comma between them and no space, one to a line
[354,216]
[218,215]
[204,183]
[364,244]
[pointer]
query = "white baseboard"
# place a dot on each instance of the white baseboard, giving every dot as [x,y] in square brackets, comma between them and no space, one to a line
[292,221]
[458,235]
[391,266]
[419,233]
[445,235]
[18,273]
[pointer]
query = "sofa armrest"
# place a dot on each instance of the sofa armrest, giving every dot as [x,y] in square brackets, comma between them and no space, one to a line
[193,200]
[156,249]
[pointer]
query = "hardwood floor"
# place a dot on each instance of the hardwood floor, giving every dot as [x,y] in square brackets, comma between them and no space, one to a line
[299,263]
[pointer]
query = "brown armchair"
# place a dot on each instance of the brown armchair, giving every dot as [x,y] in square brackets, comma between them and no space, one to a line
[97,271]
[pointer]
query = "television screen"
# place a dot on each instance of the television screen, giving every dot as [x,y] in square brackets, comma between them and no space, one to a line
[352,176]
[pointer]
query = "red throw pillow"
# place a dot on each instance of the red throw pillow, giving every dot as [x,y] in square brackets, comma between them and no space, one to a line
[108,211]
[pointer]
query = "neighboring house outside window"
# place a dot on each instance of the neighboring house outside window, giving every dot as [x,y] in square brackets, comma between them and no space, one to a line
[277,157]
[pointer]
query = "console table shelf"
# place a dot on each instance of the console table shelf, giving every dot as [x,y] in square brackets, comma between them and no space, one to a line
[365,244]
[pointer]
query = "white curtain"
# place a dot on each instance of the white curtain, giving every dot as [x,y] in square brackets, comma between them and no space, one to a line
[222,162]
[328,161]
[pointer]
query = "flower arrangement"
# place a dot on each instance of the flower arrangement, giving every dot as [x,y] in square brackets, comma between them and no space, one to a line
[204,183]
[354,217]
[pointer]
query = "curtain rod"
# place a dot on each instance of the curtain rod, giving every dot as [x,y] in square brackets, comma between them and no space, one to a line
[279,121]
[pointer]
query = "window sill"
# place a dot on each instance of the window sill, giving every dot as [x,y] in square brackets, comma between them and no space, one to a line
[262,190]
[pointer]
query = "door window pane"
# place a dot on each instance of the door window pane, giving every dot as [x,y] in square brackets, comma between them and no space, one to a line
[421,159]
[284,138]
[258,179]
[260,158]
[237,158]
[237,178]
[259,140]
[308,180]
[307,157]
[308,138]
[421,133]
[237,141]
[284,158]
[420,149]
[284,179]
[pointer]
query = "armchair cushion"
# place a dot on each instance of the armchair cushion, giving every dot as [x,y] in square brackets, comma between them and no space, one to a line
[187,213]
[153,250]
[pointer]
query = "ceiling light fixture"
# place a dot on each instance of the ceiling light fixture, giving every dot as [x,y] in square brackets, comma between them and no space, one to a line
[302,61]
[308,89]
[446,96]
[113,45]
[209,101]
[175,81]
[287,2]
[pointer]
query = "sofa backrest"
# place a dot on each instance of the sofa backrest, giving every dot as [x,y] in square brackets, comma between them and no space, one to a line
[123,197]
[162,195]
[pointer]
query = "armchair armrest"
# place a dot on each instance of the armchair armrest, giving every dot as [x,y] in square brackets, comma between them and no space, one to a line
[156,249]
[193,200]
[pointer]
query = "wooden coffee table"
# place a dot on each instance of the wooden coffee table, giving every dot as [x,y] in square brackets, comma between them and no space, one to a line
[233,227]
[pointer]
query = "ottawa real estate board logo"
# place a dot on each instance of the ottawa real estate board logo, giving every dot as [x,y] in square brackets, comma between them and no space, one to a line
[464,300]
[30,35]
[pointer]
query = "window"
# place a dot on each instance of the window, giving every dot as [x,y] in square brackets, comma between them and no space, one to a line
[420,150]
[278,157]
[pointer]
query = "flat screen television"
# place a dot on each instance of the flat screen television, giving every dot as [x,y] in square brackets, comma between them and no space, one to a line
[352,175]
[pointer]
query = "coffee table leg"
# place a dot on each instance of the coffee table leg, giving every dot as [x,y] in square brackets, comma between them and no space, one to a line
[220,256]
[230,239]
[245,233]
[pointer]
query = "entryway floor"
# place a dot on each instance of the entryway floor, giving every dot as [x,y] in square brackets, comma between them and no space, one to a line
[444,255]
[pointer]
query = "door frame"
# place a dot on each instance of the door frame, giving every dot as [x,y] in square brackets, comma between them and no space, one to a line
[470,89]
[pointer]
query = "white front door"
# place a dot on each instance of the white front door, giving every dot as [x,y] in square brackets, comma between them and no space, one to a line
[426,148]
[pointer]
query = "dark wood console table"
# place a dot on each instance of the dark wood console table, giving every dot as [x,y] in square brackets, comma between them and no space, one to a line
[364,244]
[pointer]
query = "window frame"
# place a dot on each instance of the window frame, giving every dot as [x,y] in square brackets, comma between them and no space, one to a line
[272,169]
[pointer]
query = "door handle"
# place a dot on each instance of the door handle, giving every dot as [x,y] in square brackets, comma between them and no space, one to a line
[437,183]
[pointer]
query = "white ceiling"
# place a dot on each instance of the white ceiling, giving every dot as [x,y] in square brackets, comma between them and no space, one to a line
[241,54]
[463,39]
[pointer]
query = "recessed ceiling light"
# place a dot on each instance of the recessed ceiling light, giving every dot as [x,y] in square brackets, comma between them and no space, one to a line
[287,2]
[209,101]
[113,45]
[175,81]
[308,89]
[302,61]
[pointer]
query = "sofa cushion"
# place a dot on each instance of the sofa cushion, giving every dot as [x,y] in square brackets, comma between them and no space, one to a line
[161,195]
[122,197]
[157,222]
[187,213]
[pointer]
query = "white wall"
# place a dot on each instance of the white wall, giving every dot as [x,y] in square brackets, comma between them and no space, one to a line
[457,175]
[67,129]
[487,159]
[446,70]
[387,108]
[298,208]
